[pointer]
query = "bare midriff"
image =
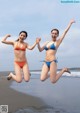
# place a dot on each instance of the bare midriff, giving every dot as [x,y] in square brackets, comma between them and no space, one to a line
[19,55]
[50,55]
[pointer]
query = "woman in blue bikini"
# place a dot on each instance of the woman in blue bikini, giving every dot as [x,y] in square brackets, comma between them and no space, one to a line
[50,63]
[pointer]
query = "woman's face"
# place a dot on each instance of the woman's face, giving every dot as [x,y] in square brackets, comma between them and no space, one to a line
[22,36]
[54,34]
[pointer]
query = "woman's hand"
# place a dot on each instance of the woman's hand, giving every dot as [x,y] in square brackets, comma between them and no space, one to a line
[8,35]
[72,21]
[38,40]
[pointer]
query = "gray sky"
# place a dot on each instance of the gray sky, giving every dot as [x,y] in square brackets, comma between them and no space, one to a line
[38,17]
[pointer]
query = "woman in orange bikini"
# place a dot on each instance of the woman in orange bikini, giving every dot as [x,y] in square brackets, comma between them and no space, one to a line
[50,63]
[20,61]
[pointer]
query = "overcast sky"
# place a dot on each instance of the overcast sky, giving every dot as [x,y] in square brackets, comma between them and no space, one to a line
[38,17]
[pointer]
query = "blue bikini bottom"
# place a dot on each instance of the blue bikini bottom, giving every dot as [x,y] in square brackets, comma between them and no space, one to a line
[48,63]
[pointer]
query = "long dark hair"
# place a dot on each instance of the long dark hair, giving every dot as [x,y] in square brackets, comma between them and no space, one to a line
[23,32]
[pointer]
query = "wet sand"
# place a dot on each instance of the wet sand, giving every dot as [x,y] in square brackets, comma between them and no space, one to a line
[62,97]
[40,97]
[15,100]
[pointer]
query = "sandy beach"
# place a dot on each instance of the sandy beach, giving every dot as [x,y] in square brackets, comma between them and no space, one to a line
[15,100]
[40,97]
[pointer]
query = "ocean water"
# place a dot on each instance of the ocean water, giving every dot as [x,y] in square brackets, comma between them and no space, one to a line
[62,97]
[74,73]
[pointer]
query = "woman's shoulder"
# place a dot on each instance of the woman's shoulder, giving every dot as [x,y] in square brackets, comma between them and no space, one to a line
[46,42]
[25,44]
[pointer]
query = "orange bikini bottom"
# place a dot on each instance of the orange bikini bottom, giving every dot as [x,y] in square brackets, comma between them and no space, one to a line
[20,64]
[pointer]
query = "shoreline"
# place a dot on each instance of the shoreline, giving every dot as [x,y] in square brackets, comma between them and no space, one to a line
[14,99]
[62,96]
[40,97]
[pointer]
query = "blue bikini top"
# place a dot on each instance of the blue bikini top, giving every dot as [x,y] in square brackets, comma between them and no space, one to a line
[53,47]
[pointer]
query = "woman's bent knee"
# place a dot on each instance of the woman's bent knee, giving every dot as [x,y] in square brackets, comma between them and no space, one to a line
[42,79]
[19,81]
[53,80]
[27,80]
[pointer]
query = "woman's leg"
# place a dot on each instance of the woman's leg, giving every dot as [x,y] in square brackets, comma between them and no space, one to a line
[54,76]
[18,76]
[26,72]
[44,73]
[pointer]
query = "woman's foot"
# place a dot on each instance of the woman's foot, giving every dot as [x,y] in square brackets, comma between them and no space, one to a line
[67,70]
[9,77]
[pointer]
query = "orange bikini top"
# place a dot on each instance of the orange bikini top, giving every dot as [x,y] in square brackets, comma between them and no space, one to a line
[22,48]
